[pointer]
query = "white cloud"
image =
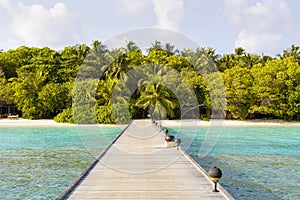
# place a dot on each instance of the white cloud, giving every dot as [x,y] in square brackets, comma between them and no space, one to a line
[233,10]
[36,25]
[269,15]
[131,7]
[4,3]
[117,42]
[262,24]
[258,42]
[169,13]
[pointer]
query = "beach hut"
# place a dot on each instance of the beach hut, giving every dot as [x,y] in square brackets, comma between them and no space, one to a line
[7,109]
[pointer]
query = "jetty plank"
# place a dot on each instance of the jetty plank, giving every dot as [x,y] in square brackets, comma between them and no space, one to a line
[139,166]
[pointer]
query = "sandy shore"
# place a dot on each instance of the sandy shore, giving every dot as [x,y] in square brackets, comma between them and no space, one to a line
[32,123]
[40,123]
[228,123]
[167,123]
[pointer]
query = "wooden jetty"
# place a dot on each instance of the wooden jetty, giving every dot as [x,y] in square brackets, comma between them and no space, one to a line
[138,165]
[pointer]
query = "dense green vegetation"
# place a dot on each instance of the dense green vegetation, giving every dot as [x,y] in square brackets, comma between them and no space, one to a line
[93,84]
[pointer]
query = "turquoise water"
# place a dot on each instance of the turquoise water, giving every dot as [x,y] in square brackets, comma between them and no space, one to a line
[257,163]
[39,163]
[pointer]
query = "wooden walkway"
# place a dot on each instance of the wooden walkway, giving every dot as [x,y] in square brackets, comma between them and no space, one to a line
[139,166]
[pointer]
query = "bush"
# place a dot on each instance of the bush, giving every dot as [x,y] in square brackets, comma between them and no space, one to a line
[85,114]
[65,117]
[104,115]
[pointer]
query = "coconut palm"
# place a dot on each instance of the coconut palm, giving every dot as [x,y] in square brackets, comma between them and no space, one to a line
[104,91]
[158,100]
[156,45]
[226,62]
[119,65]
[249,60]
[293,52]
[82,51]
[98,53]
[153,93]
[98,47]
[171,49]
[95,63]
[131,46]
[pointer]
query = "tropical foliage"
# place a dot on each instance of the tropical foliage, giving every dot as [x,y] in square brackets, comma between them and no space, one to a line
[83,84]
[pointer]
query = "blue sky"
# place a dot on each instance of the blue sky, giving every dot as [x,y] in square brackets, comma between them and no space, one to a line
[259,26]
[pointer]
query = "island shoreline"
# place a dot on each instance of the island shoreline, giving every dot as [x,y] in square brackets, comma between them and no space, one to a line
[164,123]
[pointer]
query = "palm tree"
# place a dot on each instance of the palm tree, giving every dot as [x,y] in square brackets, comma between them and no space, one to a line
[263,58]
[150,73]
[186,52]
[158,100]
[250,59]
[239,51]
[226,62]
[203,59]
[35,81]
[82,51]
[171,49]
[210,53]
[98,47]
[98,53]
[294,52]
[26,88]
[155,46]
[104,91]
[119,65]
[153,95]
[95,63]
[131,46]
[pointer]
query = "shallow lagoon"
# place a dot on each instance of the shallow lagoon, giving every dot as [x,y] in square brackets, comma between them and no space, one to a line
[39,163]
[258,163]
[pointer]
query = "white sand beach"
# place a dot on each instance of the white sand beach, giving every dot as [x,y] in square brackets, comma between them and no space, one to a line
[30,123]
[167,123]
[40,123]
[227,123]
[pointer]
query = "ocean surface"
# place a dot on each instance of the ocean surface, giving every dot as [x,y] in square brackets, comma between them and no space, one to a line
[257,163]
[39,163]
[260,163]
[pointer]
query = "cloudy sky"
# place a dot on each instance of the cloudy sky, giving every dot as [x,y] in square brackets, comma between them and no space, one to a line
[267,26]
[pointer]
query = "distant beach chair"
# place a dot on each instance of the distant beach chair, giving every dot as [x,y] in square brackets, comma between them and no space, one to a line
[13,116]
